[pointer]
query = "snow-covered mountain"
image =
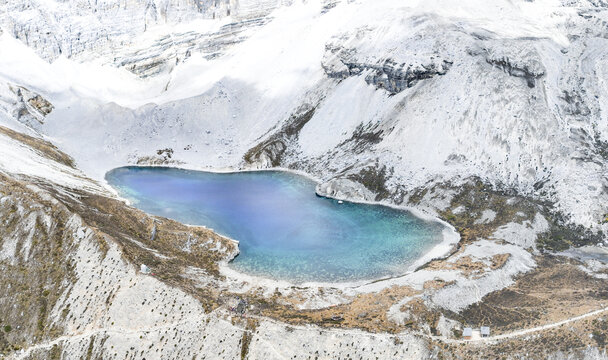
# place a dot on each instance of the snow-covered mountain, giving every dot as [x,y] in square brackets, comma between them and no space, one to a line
[489,114]
[511,92]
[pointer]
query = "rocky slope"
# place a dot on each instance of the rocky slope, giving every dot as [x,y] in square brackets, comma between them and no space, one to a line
[516,102]
[70,287]
[490,115]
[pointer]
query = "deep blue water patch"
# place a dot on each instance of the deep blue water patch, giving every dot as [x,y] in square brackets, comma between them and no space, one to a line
[285,230]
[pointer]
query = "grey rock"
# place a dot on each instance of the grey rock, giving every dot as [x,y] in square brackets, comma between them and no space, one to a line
[345,189]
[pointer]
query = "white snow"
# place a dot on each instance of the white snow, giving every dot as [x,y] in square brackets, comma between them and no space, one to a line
[486,217]
[220,84]
[20,159]
[475,120]
[523,234]
[467,291]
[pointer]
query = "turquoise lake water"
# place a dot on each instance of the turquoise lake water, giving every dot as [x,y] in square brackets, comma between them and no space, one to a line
[285,231]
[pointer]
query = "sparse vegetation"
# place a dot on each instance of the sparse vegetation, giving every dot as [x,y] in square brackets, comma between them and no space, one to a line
[43,147]
[37,283]
[363,137]
[274,147]
[374,179]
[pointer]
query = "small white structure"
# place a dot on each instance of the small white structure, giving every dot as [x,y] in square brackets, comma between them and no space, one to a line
[144,269]
[485,331]
[474,334]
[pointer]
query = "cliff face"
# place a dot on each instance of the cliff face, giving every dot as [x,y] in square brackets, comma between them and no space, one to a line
[79,28]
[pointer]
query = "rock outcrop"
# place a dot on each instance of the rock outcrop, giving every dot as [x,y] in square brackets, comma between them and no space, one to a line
[389,74]
[345,189]
[519,60]
[26,106]
[269,152]
[60,31]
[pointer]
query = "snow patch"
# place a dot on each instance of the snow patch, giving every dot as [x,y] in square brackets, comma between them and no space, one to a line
[523,234]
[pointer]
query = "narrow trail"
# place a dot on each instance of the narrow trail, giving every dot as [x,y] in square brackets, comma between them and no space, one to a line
[92,332]
[522,332]
[120,331]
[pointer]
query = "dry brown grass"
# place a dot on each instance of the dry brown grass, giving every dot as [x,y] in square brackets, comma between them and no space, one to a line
[365,311]
[43,147]
[556,290]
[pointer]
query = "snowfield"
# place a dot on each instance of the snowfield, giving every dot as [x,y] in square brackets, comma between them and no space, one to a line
[510,92]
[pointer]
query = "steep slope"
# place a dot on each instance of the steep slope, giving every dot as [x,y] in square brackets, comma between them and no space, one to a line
[513,90]
[489,115]
[71,287]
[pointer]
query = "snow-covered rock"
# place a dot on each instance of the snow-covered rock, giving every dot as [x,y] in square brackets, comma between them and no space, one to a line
[379,99]
[509,92]
[523,234]
[345,189]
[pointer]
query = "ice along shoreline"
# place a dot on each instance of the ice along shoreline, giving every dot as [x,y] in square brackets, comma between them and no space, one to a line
[440,251]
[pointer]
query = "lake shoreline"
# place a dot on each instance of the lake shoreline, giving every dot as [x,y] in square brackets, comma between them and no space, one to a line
[443,249]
